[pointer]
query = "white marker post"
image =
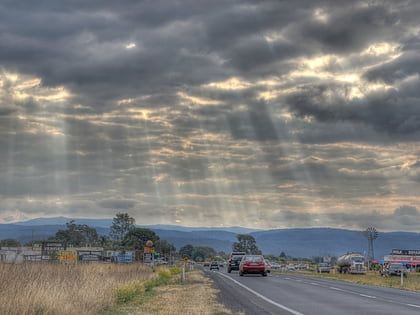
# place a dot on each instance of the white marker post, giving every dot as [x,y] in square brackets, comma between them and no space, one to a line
[402,277]
[183,268]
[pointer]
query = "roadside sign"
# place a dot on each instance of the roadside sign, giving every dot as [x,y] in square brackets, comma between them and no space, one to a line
[68,256]
[185,259]
[147,258]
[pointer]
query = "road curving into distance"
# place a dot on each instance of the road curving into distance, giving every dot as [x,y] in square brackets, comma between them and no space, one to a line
[294,294]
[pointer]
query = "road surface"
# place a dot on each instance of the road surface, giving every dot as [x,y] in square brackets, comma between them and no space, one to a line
[294,294]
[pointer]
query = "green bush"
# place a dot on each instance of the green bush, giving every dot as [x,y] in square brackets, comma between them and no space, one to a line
[127,293]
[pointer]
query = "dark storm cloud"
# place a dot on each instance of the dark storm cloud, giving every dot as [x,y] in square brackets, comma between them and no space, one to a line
[350,28]
[390,111]
[209,110]
[399,69]
[118,204]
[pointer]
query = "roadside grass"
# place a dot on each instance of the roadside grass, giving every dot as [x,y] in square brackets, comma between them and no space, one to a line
[167,295]
[411,282]
[44,289]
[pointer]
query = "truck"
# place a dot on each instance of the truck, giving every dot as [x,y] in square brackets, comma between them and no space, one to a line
[351,262]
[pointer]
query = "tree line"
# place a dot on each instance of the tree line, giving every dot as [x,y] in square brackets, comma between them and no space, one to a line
[124,235]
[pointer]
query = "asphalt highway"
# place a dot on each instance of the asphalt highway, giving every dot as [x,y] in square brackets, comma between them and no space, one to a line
[294,294]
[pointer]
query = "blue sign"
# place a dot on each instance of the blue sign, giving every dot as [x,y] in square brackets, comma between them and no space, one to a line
[122,257]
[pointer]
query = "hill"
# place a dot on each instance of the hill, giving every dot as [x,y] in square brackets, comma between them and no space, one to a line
[293,242]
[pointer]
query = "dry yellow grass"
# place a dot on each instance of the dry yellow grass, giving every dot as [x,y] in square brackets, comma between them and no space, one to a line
[412,282]
[64,289]
[194,297]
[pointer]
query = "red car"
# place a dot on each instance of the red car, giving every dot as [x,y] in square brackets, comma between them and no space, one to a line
[253,264]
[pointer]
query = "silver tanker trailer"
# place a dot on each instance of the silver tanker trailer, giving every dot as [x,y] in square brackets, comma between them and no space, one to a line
[351,262]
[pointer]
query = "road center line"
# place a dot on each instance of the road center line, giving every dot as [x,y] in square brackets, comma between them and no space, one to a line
[262,296]
[413,305]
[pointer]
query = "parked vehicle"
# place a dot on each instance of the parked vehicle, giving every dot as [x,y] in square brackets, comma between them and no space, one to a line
[214,265]
[275,266]
[394,269]
[160,261]
[323,267]
[253,264]
[351,262]
[302,266]
[234,261]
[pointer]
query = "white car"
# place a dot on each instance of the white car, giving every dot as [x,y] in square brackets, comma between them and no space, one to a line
[275,266]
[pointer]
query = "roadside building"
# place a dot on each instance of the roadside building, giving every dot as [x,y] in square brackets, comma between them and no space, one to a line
[408,257]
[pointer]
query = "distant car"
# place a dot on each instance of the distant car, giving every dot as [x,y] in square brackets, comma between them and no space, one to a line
[161,261]
[394,269]
[206,264]
[221,264]
[253,264]
[234,261]
[323,267]
[275,266]
[214,265]
[268,266]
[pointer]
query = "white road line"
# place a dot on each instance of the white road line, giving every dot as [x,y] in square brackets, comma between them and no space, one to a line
[262,296]
[314,283]
[338,289]
[368,296]
[413,305]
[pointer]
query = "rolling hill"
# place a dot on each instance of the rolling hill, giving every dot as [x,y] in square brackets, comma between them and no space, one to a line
[293,242]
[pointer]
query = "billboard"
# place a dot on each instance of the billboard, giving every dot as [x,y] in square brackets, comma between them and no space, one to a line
[68,256]
[122,257]
[90,255]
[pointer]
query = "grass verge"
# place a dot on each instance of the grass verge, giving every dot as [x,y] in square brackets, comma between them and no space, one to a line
[412,282]
[166,295]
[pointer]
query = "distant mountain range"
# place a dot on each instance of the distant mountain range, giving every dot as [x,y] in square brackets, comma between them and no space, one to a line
[293,242]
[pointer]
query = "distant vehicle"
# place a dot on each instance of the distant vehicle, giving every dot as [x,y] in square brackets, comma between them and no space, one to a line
[302,266]
[253,264]
[221,264]
[323,267]
[394,269]
[275,266]
[234,261]
[351,262]
[214,265]
[290,268]
[206,264]
[268,266]
[160,261]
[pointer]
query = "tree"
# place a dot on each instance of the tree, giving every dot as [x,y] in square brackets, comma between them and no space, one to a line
[136,238]
[121,224]
[186,251]
[77,234]
[164,248]
[246,243]
[202,253]
[9,242]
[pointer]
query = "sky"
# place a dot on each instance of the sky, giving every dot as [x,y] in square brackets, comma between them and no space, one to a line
[260,114]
